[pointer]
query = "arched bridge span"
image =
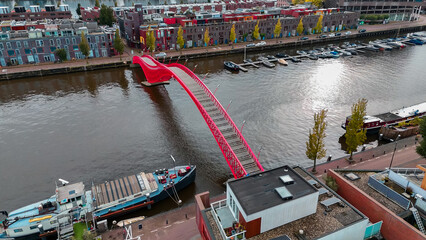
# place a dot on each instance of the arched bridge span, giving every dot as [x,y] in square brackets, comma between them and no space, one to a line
[238,154]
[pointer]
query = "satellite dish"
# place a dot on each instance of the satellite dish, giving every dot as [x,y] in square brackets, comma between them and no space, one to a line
[64,182]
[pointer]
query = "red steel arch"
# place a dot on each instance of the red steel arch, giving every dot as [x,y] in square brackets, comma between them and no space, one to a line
[157,72]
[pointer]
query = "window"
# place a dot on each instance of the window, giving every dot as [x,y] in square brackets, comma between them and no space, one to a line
[26,44]
[103,39]
[18,44]
[52,42]
[18,230]
[74,41]
[67,41]
[39,43]
[97,39]
[1,46]
[58,42]
[47,58]
[39,50]
[8,45]
[33,227]
[75,47]
[17,52]
[27,51]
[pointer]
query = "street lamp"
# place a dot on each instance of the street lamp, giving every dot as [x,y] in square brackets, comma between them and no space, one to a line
[258,154]
[174,163]
[242,126]
[396,143]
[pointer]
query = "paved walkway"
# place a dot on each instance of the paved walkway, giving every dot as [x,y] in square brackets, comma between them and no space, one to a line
[378,158]
[127,56]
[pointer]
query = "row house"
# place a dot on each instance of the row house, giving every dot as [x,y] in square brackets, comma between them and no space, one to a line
[39,45]
[34,13]
[378,6]
[166,37]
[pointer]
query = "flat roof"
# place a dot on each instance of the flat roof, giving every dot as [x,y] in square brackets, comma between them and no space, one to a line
[260,188]
[70,191]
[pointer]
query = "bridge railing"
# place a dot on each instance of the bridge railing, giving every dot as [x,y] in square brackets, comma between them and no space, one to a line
[231,158]
[223,111]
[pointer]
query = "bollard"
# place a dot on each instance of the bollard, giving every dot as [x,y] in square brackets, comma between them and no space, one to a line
[384,152]
[373,155]
[186,216]
[329,158]
[325,170]
[337,166]
[167,221]
[360,159]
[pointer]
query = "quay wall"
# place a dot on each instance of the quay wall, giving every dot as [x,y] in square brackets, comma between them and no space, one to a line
[271,46]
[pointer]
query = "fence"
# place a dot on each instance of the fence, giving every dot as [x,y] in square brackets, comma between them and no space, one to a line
[373,230]
[389,193]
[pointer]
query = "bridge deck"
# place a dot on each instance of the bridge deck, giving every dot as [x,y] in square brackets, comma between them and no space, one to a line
[224,126]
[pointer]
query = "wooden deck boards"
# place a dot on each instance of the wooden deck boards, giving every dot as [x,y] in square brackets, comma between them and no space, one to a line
[108,189]
[104,193]
[118,189]
[123,187]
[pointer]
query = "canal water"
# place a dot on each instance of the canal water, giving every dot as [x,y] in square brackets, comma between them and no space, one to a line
[100,125]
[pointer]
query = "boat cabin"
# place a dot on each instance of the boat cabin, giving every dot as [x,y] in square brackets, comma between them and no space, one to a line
[70,196]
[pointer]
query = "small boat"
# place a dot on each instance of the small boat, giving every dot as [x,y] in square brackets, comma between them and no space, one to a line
[231,66]
[335,54]
[282,62]
[295,60]
[262,58]
[313,57]
[130,221]
[301,52]
[268,64]
[345,53]
[352,51]
[371,48]
[270,57]
[281,55]
[248,60]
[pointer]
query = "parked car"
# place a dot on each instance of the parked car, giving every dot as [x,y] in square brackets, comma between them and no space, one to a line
[331,35]
[304,38]
[362,30]
[262,43]
[348,33]
[161,55]
[323,36]
[251,45]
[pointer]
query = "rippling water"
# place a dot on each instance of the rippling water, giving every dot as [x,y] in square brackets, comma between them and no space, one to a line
[96,126]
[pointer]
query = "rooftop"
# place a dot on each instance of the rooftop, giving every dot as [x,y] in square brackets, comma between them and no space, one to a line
[70,191]
[261,188]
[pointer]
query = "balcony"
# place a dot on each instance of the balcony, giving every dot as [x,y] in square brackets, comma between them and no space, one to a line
[228,225]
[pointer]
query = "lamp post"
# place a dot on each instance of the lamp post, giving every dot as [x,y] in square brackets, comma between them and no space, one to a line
[174,163]
[258,154]
[242,126]
[396,143]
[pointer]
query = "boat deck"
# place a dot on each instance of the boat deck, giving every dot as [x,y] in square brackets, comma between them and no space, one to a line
[123,187]
[387,117]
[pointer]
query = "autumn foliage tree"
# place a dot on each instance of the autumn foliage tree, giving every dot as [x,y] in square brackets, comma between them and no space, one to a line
[318,27]
[118,43]
[299,28]
[180,41]
[421,149]
[150,40]
[315,145]
[277,30]
[232,35]
[355,133]
[84,46]
[206,37]
[255,34]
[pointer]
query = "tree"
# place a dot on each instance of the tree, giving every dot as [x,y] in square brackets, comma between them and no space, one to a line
[421,149]
[78,10]
[277,30]
[318,27]
[206,37]
[255,34]
[232,35]
[97,3]
[88,235]
[115,4]
[299,28]
[317,3]
[180,41]
[150,40]
[106,16]
[315,145]
[295,2]
[118,43]
[84,46]
[355,134]
[58,3]
[61,53]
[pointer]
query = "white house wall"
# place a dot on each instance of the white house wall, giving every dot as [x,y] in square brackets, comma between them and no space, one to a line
[351,232]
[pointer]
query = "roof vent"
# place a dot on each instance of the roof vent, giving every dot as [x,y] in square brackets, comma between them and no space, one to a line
[287,180]
[284,193]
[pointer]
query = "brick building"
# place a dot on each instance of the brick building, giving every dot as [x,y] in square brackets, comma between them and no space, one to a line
[166,37]
[38,45]
[34,13]
[378,7]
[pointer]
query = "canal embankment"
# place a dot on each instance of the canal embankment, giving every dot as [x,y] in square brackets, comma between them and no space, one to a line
[25,71]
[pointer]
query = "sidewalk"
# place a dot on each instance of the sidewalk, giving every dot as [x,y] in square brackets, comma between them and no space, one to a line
[127,57]
[377,158]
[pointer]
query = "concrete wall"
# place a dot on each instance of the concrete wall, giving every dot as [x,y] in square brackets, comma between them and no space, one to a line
[352,232]
[393,228]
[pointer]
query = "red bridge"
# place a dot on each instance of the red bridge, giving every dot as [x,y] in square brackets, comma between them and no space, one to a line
[238,154]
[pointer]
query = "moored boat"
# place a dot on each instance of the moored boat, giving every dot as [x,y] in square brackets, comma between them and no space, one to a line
[106,200]
[268,64]
[231,66]
[282,62]
[373,123]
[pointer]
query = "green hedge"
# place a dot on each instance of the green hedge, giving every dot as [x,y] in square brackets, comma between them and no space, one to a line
[374,17]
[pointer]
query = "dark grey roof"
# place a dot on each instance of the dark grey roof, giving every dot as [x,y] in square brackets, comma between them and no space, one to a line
[257,192]
[388,117]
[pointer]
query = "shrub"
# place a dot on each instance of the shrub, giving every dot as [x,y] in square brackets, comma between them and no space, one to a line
[331,183]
